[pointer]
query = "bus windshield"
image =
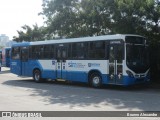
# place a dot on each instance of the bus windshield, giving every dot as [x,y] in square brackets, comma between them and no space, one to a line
[137,58]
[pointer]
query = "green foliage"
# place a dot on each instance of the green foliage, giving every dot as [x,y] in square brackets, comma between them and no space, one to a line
[31,34]
[78,18]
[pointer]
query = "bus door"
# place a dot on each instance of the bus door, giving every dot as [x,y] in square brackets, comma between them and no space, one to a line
[61,67]
[116,53]
[16,60]
[24,61]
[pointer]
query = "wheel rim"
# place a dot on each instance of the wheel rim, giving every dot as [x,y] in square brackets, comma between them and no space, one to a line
[37,76]
[96,80]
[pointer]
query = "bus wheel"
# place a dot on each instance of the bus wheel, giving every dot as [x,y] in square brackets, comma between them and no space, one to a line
[37,76]
[95,80]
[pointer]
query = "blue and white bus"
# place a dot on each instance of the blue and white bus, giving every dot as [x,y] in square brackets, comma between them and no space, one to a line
[0,59]
[110,59]
[0,54]
[6,52]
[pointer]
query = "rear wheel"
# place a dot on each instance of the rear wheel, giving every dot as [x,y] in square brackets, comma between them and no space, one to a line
[95,80]
[37,76]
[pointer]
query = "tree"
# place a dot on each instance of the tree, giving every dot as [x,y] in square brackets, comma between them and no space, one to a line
[31,34]
[139,17]
[61,16]
[76,18]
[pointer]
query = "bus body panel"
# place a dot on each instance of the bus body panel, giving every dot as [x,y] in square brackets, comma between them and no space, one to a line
[48,68]
[25,69]
[78,70]
[132,81]
[16,67]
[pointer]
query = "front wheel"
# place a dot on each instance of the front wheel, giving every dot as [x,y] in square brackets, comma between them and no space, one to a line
[37,76]
[95,80]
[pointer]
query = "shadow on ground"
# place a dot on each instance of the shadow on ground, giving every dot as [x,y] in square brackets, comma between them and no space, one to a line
[78,94]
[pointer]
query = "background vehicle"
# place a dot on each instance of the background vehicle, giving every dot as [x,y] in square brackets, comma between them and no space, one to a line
[0,54]
[0,59]
[6,52]
[110,59]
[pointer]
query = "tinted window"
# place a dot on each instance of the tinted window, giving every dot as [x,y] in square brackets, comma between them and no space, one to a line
[49,52]
[37,52]
[111,54]
[97,50]
[79,50]
[8,53]
[24,53]
[135,40]
[16,53]
[120,53]
[0,56]
[70,51]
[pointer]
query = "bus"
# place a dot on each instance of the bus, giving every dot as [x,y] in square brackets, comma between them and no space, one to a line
[0,59]
[6,51]
[110,59]
[0,54]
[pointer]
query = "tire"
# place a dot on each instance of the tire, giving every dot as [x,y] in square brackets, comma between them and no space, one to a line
[95,80]
[37,76]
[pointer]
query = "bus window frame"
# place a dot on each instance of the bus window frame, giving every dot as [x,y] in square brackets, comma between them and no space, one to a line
[94,50]
[18,54]
[26,55]
[79,57]
[115,43]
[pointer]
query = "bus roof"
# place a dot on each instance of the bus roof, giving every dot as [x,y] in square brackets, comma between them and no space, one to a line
[6,48]
[21,44]
[82,39]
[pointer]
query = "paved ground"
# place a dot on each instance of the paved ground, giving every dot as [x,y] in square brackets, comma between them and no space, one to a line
[23,94]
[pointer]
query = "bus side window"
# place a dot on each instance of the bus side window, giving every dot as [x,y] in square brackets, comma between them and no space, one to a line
[30,52]
[8,53]
[0,56]
[16,53]
[33,52]
[48,52]
[37,52]
[116,52]
[79,50]
[111,54]
[41,51]
[64,54]
[97,50]
[70,51]
[120,53]
[24,53]
[58,53]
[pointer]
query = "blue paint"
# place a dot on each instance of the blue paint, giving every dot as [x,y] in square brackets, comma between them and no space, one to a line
[79,76]
[49,74]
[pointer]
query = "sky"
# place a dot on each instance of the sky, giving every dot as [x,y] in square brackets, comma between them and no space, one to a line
[16,13]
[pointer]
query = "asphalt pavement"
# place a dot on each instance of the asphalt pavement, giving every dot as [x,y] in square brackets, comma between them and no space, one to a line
[23,94]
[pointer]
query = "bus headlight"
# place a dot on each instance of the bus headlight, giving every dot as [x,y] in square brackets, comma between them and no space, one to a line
[130,74]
